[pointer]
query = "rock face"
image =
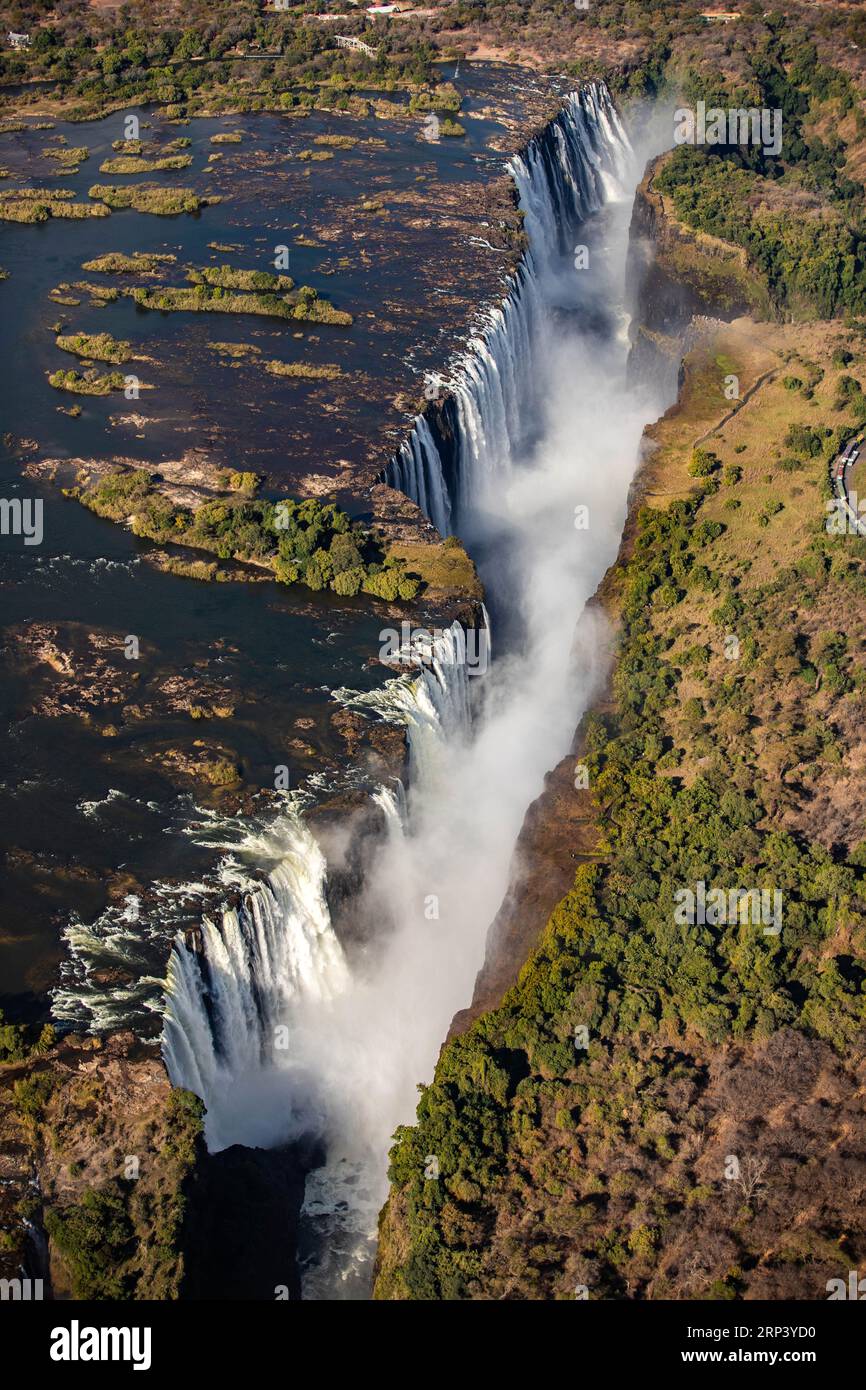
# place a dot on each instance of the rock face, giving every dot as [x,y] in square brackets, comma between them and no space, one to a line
[242,1225]
[674,281]
[672,275]
[97,1150]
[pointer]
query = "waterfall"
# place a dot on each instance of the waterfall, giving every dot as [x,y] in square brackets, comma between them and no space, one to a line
[230,997]
[433,704]
[418,466]
[234,994]
[577,165]
[392,801]
[535,421]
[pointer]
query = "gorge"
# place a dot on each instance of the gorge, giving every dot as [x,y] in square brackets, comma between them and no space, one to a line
[286,1032]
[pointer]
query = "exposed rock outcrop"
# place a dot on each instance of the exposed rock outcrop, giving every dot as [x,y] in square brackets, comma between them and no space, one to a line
[674,274]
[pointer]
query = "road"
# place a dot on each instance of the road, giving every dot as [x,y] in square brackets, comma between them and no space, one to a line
[839,471]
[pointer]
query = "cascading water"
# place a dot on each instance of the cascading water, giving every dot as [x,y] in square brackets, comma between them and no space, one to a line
[566,174]
[580,163]
[393,805]
[233,996]
[540,426]
[229,1004]
[417,471]
[434,705]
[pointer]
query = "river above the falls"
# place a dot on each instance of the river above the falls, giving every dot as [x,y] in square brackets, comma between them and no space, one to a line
[111,843]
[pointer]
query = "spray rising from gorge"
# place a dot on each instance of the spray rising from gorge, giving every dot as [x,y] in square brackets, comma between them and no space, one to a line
[283,1029]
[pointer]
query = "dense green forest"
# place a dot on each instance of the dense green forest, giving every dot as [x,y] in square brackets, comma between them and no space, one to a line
[813,265]
[799,214]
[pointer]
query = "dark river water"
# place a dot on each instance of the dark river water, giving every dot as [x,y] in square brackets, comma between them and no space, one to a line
[89,815]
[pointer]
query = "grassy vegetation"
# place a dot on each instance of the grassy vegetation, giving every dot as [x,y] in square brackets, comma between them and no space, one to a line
[18,1041]
[809,261]
[204,570]
[240,480]
[26,209]
[31,1095]
[99,347]
[150,149]
[719,272]
[445,98]
[67,157]
[309,542]
[163,202]
[798,214]
[445,567]
[132,164]
[94,1237]
[118,263]
[310,307]
[89,383]
[121,1238]
[18,210]
[100,295]
[201,299]
[306,371]
[336,142]
[235,350]
[205,296]
[229,278]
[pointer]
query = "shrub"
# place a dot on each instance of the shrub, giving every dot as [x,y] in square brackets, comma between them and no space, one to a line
[93,1236]
[703,463]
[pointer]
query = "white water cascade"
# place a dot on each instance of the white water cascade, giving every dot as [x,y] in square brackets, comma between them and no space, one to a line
[234,997]
[229,1003]
[580,163]
[543,425]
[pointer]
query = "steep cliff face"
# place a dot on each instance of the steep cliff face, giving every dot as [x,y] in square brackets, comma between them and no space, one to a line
[680,287]
[241,1231]
[673,275]
[98,1152]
